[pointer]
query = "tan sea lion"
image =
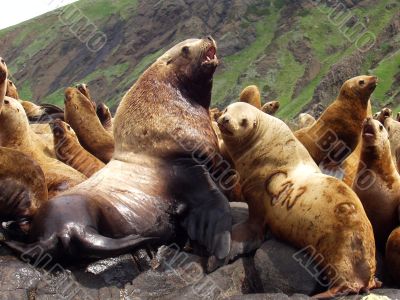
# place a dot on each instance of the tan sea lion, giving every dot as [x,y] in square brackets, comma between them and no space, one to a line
[287,192]
[70,152]
[105,117]
[305,120]
[337,132]
[160,179]
[84,89]
[393,129]
[81,115]
[379,187]
[251,95]
[383,114]
[3,80]
[271,107]
[12,90]
[16,134]
[22,187]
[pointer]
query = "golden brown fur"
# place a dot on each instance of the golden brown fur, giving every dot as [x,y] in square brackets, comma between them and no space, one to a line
[12,90]
[305,120]
[393,128]
[286,191]
[105,117]
[81,115]
[271,107]
[337,132]
[251,95]
[84,89]
[3,80]
[70,152]
[18,135]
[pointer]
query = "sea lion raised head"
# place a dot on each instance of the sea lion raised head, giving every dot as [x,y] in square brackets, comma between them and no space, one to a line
[13,121]
[84,89]
[12,90]
[360,88]
[374,134]
[383,114]
[271,107]
[105,117]
[251,95]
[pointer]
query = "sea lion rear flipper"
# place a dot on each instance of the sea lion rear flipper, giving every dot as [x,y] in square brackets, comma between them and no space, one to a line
[209,219]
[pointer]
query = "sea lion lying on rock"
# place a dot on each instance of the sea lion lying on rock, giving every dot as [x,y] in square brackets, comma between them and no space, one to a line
[159,179]
[287,192]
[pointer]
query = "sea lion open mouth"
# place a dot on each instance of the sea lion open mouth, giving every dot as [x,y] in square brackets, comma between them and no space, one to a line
[368,130]
[210,56]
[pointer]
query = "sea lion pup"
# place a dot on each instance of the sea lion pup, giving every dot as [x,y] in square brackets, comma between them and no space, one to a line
[105,117]
[337,132]
[251,95]
[43,113]
[81,115]
[305,120]
[84,89]
[70,152]
[379,187]
[271,107]
[157,179]
[12,90]
[16,134]
[3,80]
[287,192]
[22,187]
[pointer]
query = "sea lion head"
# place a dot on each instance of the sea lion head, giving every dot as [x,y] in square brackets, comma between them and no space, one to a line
[383,114]
[271,107]
[75,100]
[360,87]
[374,134]
[251,95]
[3,70]
[238,121]
[11,90]
[13,118]
[61,130]
[192,64]
[103,112]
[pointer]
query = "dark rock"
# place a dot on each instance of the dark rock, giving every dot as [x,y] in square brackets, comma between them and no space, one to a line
[279,272]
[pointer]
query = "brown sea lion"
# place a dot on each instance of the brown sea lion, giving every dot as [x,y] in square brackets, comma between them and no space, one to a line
[305,120]
[159,179]
[70,152]
[16,134]
[271,107]
[392,255]
[251,95]
[22,187]
[84,89]
[105,117]
[337,132]
[383,114]
[393,129]
[81,115]
[379,187]
[287,192]
[3,80]
[12,90]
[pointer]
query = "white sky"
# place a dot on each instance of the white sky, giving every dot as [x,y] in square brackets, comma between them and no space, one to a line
[17,11]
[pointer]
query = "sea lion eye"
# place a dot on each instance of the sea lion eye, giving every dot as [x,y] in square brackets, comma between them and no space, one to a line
[244,123]
[361,82]
[185,50]
[6,102]
[380,127]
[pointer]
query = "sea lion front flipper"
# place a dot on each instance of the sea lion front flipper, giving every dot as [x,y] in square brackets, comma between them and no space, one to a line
[208,218]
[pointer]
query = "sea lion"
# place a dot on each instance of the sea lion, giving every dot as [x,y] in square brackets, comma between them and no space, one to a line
[12,90]
[337,132]
[251,95]
[392,255]
[379,187]
[159,179]
[70,152]
[393,129]
[81,115]
[271,107]
[383,114]
[16,134]
[43,113]
[305,120]
[287,192]
[105,117]
[84,89]
[41,128]
[22,187]
[3,80]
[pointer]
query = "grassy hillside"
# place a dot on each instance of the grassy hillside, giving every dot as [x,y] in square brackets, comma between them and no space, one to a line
[285,48]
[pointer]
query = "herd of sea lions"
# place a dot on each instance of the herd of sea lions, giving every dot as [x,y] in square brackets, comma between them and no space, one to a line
[79,183]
